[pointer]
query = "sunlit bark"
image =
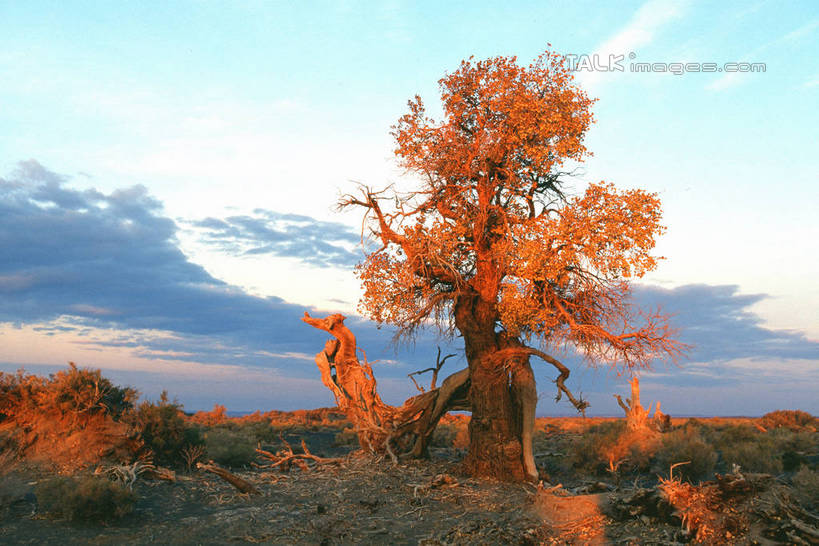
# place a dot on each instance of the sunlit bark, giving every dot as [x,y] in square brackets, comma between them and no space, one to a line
[382,428]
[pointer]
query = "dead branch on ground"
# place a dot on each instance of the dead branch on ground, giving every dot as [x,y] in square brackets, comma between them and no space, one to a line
[242,485]
[284,458]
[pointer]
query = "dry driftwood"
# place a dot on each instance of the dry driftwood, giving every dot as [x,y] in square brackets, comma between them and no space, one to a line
[242,485]
[284,458]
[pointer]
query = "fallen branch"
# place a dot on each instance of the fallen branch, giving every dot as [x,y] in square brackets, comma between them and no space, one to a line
[284,458]
[127,474]
[242,485]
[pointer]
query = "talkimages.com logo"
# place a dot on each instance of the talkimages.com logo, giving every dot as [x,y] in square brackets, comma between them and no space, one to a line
[618,63]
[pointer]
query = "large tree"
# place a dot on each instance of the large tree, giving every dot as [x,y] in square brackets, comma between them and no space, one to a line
[490,246]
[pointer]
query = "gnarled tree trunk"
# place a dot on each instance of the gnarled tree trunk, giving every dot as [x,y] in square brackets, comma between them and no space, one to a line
[498,388]
[382,428]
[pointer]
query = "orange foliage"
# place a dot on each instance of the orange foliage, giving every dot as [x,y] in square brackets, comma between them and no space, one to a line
[490,219]
[70,419]
[210,418]
[331,417]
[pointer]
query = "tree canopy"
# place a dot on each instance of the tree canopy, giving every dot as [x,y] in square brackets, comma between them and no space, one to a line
[491,218]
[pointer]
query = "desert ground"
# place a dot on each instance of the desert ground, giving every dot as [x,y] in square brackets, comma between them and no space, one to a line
[343,495]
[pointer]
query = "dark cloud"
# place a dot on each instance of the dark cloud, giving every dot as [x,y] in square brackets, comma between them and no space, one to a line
[730,345]
[718,321]
[111,260]
[74,260]
[322,244]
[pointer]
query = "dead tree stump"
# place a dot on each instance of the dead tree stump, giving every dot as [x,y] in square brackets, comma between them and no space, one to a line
[637,417]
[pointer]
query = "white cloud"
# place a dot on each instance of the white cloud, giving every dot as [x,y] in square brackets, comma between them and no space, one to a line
[639,32]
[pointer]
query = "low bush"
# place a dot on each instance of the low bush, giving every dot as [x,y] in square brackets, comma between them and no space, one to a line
[165,432]
[791,419]
[685,444]
[727,435]
[346,437]
[69,420]
[216,416]
[594,451]
[444,435]
[230,448]
[87,499]
[260,431]
[806,487]
[74,392]
[752,457]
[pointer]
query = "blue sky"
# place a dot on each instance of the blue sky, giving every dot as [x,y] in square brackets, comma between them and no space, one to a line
[168,173]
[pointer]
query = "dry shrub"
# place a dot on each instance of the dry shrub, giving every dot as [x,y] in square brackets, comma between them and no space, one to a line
[444,435]
[806,487]
[458,427]
[755,450]
[75,392]
[753,457]
[88,499]
[9,452]
[165,432]
[727,435]
[323,417]
[230,448]
[193,454]
[598,447]
[461,440]
[795,420]
[702,511]
[685,444]
[346,437]
[71,419]
[216,416]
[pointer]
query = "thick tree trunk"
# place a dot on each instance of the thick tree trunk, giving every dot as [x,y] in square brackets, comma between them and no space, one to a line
[498,395]
[495,446]
[524,395]
[498,388]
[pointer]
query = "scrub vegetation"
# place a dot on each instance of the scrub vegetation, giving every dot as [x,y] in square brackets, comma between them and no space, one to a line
[142,468]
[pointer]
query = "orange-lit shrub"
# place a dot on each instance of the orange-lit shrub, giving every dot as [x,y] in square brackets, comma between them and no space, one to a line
[597,449]
[74,392]
[70,419]
[792,419]
[210,418]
